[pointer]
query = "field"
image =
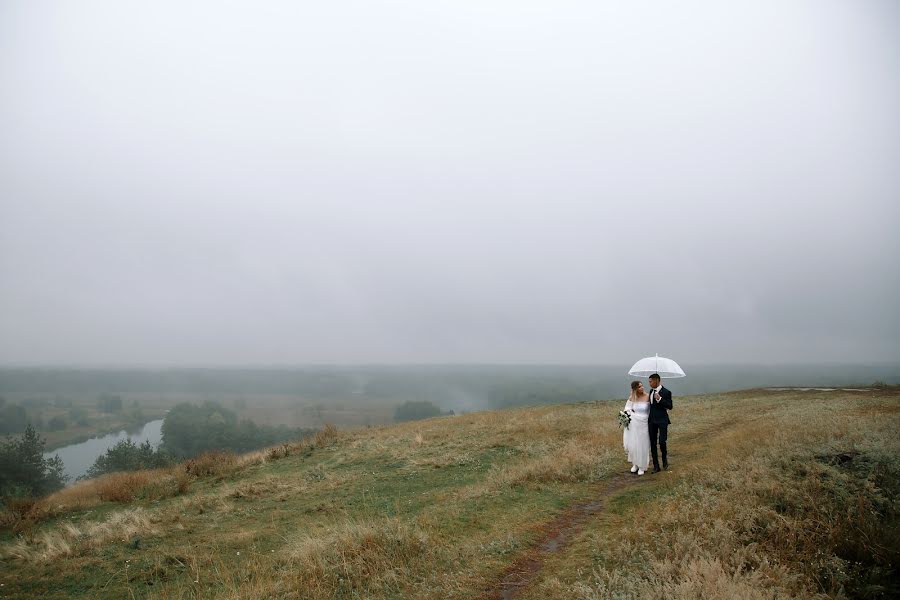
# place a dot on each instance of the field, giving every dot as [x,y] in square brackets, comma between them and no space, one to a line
[139,408]
[772,494]
[90,422]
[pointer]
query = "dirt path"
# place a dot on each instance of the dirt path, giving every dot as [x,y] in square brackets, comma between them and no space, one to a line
[555,536]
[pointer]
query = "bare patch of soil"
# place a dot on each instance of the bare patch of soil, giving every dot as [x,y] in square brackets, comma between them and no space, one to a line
[555,536]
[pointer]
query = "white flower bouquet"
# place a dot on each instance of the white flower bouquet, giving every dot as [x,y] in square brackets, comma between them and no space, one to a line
[624,418]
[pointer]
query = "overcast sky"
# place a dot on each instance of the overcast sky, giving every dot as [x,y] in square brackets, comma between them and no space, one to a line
[272,183]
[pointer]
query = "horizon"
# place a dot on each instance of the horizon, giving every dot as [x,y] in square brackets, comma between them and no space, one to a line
[291,366]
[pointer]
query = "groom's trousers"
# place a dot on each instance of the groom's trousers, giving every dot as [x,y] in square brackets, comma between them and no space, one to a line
[661,431]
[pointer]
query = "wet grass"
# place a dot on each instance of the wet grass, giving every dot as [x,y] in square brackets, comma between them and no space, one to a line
[799,499]
[441,508]
[428,509]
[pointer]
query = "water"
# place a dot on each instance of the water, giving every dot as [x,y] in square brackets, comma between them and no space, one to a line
[78,458]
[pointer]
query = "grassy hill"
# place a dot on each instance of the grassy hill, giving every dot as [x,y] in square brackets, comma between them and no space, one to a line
[772,494]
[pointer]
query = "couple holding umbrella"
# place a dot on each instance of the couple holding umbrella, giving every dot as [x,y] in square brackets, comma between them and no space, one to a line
[646,414]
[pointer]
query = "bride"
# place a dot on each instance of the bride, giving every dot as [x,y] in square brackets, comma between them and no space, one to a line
[636,437]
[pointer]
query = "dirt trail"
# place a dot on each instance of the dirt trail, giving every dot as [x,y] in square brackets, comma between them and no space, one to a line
[555,536]
[558,533]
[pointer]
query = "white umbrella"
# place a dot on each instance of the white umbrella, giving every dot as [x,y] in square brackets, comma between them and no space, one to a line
[666,367]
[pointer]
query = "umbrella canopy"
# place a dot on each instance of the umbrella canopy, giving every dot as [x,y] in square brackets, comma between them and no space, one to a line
[666,367]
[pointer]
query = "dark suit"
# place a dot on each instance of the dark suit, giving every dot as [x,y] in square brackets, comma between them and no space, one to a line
[658,424]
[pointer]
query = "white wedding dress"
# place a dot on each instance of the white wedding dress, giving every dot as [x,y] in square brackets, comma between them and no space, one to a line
[637,437]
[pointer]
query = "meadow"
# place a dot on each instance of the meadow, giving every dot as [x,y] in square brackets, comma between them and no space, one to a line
[772,494]
[79,417]
[352,396]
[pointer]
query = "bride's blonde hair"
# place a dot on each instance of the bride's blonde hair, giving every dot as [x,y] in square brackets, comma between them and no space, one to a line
[634,386]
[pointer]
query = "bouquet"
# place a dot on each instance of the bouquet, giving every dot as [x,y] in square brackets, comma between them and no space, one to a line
[624,418]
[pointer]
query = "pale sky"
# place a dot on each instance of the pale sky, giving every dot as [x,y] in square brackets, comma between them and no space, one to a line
[275,183]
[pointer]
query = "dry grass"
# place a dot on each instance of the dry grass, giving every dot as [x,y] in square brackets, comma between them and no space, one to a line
[149,485]
[125,487]
[326,436]
[206,503]
[268,486]
[375,558]
[551,446]
[799,502]
[16,513]
[574,461]
[358,559]
[212,464]
[771,496]
[22,514]
[70,539]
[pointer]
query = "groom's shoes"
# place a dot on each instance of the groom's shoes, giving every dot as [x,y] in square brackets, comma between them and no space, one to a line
[656,469]
[665,466]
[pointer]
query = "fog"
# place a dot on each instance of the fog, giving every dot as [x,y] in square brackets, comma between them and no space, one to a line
[227,183]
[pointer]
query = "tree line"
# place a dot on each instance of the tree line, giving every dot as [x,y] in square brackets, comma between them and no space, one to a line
[23,469]
[187,431]
[190,429]
[15,417]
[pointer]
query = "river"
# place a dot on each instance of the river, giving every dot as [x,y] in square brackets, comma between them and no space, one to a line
[78,458]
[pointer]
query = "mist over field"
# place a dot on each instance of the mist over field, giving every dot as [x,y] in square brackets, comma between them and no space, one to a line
[504,183]
[458,388]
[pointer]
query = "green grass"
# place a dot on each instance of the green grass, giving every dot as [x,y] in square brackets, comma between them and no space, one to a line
[442,508]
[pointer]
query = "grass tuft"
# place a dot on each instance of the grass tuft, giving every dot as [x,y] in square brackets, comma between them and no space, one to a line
[70,539]
[212,464]
[326,436]
[359,558]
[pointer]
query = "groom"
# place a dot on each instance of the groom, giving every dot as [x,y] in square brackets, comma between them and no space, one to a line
[658,422]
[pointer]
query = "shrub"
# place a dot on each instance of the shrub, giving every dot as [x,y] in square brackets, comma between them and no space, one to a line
[79,416]
[189,430]
[211,464]
[23,468]
[279,452]
[17,511]
[57,423]
[415,410]
[109,403]
[326,436]
[128,456]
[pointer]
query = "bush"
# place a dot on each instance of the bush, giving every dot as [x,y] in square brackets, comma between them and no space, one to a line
[149,485]
[136,415]
[189,430]
[128,456]
[120,487]
[326,436]
[57,423]
[23,468]
[109,404]
[17,512]
[173,482]
[413,411]
[79,416]
[211,463]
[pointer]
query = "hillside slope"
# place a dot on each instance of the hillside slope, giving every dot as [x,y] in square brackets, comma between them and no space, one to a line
[772,494]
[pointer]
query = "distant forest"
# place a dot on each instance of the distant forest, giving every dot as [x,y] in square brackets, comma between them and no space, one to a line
[457,388]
